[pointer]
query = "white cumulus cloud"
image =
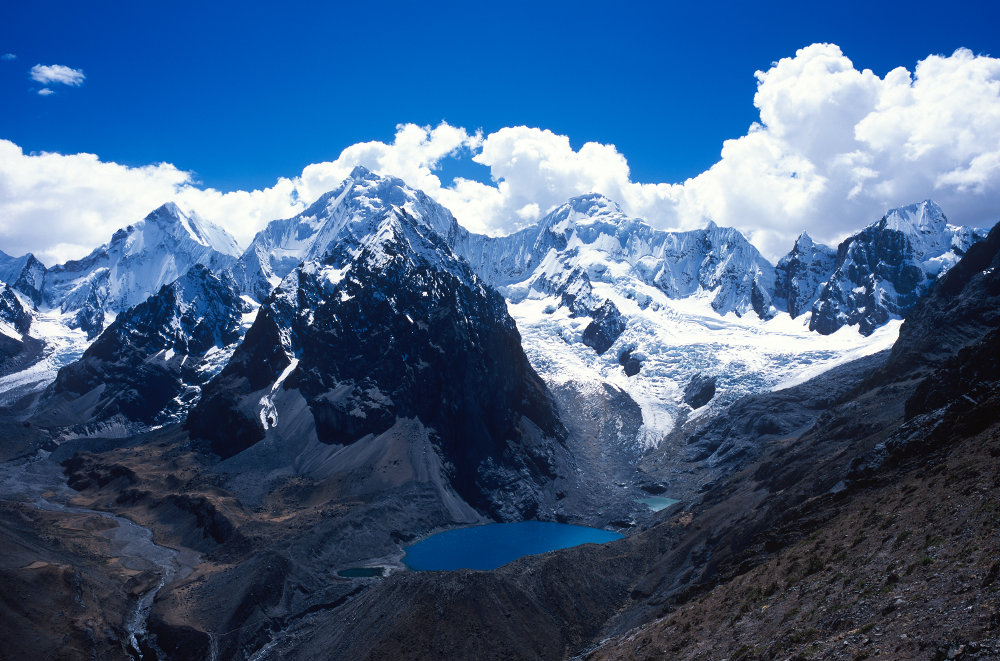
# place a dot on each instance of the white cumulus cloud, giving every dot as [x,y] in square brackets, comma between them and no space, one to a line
[47,74]
[834,148]
[83,200]
[63,206]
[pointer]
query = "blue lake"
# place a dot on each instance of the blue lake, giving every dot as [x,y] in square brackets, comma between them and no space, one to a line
[496,544]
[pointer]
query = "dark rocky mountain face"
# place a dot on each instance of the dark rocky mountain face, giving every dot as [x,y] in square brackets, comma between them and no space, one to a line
[396,327]
[960,309]
[25,274]
[147,367]
[883,270]
[876,278]
[800,275]
[18,320]
[12,312]
[604,329]
[699,391]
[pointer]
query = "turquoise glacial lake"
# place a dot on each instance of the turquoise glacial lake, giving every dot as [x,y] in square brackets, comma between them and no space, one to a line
[496,544]
[657,503]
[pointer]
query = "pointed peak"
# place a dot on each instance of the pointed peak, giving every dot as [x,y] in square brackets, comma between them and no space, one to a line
[925,216]
[361,172]
[362,183]
[27,259]
[804,241]
[593,204]
[166,210]
[168,214]
[711,226]
[927,206]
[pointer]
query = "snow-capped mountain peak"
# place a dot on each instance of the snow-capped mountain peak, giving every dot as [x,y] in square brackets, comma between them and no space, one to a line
[590,236]
[594,204]
[924,224]
[588,210]
[135,263]
[25,274]
[343,216]
[804,242]
[172,219]
[882,270]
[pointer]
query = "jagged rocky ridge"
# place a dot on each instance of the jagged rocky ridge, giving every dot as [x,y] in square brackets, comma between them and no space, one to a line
[883,270]
[582,240]
[800,276]
[587,254]
[148,366]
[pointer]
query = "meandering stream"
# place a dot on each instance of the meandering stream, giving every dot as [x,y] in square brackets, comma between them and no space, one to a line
[41,483]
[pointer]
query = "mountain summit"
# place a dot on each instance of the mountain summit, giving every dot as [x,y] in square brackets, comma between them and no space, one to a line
[383,346]
[883,270]
[589,236]
[341,216]
[134,264]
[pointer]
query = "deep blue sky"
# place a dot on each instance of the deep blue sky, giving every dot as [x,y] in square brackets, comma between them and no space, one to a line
[245,92]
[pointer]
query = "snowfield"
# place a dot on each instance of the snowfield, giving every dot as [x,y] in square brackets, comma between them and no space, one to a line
[63,345]
[676,339]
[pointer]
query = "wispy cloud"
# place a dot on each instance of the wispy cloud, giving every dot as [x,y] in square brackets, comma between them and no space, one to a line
[8,57]
[57,73]
[45,91]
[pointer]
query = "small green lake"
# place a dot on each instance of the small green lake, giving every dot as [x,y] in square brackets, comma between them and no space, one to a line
[361,572]
[657,503]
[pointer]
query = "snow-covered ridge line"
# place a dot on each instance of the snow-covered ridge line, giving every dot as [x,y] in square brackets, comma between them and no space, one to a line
[587,279]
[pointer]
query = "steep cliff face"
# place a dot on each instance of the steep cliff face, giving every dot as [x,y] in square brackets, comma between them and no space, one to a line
[883,270]
[15,321]
[386,327]
[955,330]
[800,276]
[149,365]
[12,310]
